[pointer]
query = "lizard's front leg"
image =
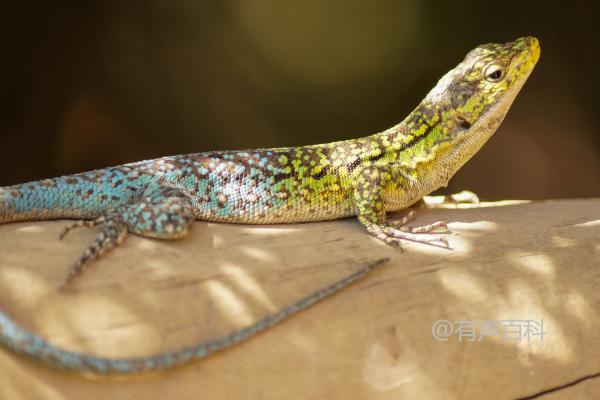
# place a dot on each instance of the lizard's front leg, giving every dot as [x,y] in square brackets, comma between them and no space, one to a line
[163,212]
[368,194]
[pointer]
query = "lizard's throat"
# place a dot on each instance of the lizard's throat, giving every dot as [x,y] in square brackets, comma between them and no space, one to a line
[470,141]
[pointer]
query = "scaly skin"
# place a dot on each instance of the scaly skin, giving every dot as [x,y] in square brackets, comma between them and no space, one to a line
[366,177]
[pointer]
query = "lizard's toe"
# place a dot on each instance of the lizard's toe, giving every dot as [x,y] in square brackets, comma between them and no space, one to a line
[79,224]
[438,226]
[393,236]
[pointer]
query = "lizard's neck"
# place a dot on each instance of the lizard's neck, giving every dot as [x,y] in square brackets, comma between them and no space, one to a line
[435,140]
[424,138]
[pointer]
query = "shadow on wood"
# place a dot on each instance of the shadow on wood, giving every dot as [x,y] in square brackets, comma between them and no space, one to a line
[535,261]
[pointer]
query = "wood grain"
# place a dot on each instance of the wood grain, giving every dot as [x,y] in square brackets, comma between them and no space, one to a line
[510,260]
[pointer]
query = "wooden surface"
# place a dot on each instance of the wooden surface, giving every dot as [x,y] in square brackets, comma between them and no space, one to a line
[511,261]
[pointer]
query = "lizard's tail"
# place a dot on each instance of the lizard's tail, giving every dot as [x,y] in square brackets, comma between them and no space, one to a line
[43,200]
[21,341]
[81,196]
[5,205]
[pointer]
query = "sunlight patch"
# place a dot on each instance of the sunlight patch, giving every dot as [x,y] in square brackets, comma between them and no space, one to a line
[97,325]
[217,241]
[524,303]
[23,284]
[463,286]
[160,269]
[589,223]
[230,305]
[247,283]
[562,242]
[579,307]
[271,230]
[458,245]
[33,228]
[257,253]
[146,244]
[538,263]
[438,202]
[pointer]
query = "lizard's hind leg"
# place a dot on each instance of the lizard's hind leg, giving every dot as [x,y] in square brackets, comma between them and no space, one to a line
[81,223]
[163,212]
[114,231]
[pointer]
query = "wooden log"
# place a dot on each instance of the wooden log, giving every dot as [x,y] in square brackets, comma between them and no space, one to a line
[525,261]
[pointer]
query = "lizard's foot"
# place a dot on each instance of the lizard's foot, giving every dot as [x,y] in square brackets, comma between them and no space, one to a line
[164,212]
[393,232]
[400,224]
[114,231]
[464,197]
[410,215]
[370,208]
[394,236]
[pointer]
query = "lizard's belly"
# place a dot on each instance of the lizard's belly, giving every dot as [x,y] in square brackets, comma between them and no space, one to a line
[398,197]
[395,200]
[263,207]
[268,214]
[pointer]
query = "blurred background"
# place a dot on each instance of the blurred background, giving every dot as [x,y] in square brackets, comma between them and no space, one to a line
[88,84]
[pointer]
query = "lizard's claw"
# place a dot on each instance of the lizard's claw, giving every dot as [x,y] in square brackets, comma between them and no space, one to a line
[394,232]
[404,220]
[440,226]
[394,237]
[416,234]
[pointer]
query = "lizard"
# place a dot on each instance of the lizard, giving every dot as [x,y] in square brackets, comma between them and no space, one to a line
[364,177]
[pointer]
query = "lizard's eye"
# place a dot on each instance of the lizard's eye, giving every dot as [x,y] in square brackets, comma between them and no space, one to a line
[493,72]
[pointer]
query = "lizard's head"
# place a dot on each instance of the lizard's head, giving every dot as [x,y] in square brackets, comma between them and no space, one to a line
[470,101]
[491,75]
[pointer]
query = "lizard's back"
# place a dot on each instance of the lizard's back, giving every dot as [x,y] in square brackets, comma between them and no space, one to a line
[260,186]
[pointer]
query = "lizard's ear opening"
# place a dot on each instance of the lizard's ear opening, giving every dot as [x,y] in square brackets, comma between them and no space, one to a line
[463,122]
